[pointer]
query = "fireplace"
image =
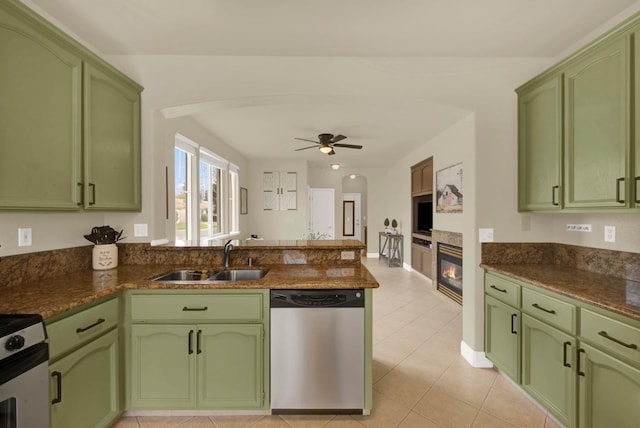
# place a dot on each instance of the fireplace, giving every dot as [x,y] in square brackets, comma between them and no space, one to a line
[449,268]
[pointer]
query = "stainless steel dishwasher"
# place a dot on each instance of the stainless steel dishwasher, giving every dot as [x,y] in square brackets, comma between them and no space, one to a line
[317,351]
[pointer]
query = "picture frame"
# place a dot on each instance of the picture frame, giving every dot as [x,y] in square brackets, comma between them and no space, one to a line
[243,200]
[449,189]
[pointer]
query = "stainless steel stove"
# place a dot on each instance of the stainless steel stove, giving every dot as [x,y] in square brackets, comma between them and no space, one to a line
[24,365]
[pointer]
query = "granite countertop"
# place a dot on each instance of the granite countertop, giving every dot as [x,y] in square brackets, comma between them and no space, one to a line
[53,296]
[617,295]
[313,244]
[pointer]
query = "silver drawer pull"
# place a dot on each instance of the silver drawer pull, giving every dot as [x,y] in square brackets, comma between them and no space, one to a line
[201,308]
[89,327]
[502,290]
[619,342]
[549,311]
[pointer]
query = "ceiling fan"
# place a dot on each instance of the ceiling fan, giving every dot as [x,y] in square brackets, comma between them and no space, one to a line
[327,143]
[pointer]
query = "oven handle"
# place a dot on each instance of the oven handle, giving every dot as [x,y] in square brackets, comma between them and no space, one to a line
[58,398]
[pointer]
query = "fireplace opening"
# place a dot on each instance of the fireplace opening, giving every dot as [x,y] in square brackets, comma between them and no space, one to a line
[450,271]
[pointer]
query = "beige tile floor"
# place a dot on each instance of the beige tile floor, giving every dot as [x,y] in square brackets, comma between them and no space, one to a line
[420,379]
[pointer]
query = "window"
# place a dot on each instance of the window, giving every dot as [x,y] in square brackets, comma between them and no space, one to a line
[211,212]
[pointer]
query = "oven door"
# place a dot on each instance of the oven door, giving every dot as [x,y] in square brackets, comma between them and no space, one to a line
[24,389]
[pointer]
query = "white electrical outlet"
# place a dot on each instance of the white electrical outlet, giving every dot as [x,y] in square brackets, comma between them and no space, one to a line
[609,234]
[140,230]
[526,223]
[24,237]
[578,228]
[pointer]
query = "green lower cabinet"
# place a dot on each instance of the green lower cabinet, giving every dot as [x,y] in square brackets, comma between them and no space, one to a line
[163,366]
[548,368]
[609,391]
[218,366]
[83,385]
[502,337]
[230,366]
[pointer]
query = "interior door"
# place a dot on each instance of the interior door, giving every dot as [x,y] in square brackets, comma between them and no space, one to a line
[321,213]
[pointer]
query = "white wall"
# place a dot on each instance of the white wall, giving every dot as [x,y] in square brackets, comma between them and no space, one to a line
[457,144]
[285,225]
[378,185]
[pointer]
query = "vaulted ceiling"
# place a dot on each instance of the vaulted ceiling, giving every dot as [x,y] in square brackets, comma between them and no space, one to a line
[388,74]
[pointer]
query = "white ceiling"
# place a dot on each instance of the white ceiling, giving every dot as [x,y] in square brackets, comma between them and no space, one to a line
[260,116]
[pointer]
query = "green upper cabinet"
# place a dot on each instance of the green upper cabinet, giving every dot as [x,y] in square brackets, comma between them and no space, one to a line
[597,117]
[112,141]
[540,145]
[69,122]
[40,119]
[577,133]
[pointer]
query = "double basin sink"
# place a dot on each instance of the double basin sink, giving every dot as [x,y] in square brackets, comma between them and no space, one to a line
[190,276]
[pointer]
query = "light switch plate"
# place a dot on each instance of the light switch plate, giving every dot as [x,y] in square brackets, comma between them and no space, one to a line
[140,229]
[485,235]
[24,237]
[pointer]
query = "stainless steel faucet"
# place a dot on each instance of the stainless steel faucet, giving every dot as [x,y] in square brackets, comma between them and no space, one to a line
[227,252]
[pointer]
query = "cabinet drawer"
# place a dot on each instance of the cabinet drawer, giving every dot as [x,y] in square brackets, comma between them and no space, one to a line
[550,310]
[610,335]
[502,289]
[81,327]
[188,307]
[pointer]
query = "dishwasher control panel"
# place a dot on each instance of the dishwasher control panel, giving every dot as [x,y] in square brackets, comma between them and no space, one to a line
[351,298]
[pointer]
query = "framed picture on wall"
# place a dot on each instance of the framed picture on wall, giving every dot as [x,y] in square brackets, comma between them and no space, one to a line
[243,200]
[449,189]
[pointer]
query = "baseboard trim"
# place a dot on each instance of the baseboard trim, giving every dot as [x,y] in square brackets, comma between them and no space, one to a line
[476,359]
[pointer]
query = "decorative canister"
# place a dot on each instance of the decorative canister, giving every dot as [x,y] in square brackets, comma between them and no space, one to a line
[105,256]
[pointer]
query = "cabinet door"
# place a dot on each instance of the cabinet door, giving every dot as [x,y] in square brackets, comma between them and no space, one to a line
[163,366]
[426,178]
[548,368]
[609,391]
[597,115]
[112,142]
[540,146]
[230,370]
[40,120]
[426,262]
[502,336]
[84,385]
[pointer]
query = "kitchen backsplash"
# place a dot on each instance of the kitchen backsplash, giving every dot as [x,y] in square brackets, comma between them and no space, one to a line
[618,264]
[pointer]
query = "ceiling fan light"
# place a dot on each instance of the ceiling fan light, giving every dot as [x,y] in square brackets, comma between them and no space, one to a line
[352,176]
[325,149]
[335,166]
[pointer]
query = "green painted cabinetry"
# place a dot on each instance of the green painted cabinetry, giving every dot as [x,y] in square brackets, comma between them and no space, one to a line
[609,390]
[199,351]
[579,362]
[84,383]
[69,122]
[548,373]
[577,143]
[598,126]
[112,141]
[502,336]
[540,145]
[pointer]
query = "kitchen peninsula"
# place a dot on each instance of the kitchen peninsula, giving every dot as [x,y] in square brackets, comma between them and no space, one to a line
[210,339]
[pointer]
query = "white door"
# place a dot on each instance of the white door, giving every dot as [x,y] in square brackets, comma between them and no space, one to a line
[321,213]
[356,215]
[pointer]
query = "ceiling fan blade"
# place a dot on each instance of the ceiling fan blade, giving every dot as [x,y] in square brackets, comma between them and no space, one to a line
[305,148]
[304,139]
[338,138]
[348,146]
